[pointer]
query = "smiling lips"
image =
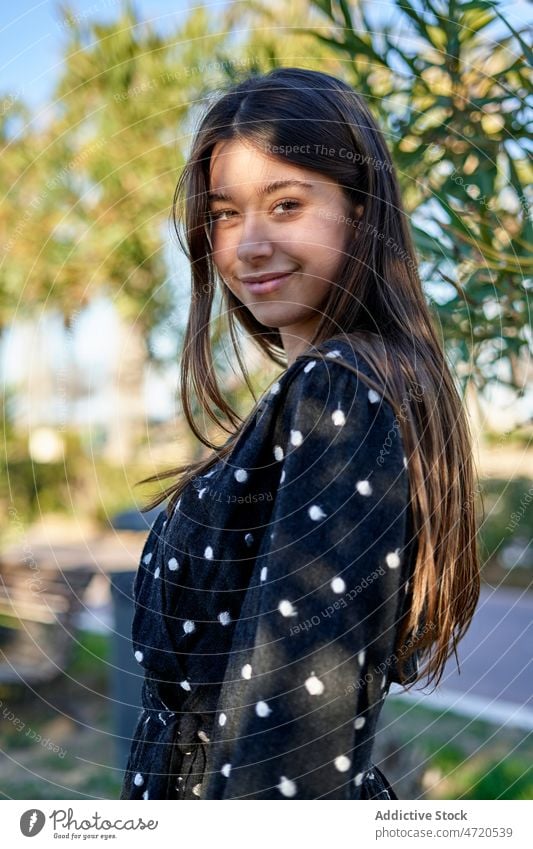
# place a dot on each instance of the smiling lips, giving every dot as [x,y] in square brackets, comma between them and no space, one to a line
[264,283]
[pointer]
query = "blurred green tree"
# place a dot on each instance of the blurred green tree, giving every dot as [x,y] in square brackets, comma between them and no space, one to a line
[453,103]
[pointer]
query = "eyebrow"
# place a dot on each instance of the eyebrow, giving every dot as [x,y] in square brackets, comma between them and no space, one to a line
[262,191]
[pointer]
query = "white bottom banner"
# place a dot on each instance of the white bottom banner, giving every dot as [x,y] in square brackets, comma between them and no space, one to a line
[221,824]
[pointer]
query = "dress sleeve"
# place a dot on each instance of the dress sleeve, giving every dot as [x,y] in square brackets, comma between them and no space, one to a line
[332,577]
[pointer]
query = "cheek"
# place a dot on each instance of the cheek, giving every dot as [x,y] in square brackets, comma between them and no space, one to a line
[220,253]
[341,239]
[330,249]
[336,235]
[224,244]
[226,280]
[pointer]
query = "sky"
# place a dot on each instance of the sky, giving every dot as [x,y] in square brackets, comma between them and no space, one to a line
[31,34]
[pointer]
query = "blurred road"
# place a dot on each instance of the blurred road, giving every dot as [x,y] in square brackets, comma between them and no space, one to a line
[496,663]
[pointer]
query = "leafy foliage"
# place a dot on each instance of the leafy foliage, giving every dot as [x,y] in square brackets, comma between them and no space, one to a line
[453,105]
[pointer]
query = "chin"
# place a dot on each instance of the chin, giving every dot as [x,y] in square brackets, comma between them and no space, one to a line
[276,316]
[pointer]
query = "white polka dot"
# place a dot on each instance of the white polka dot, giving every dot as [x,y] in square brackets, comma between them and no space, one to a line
[338,585]
[342,763]
[146,795]
[224,618]
[241,475]
[139,656]
[185,684]
[373,396]
[249,538]
[189,626]
[316,512]
[278,452]
[172,564]
[287,787]
[286,608]
[264,573]
[262,709]
[208,553]
[405,462]
[157,572]
[296,437]
[147,558]
[314,685]
[393,559]
[361,657]
[222,719]
[197,789]
[363,487]
[201,491]
[309,366]
[335,353]
[407,586]
[358,780]
[274,389]
[338,418]
[282,476]
[359,722]
[138,780]
[246,671]
[226,769]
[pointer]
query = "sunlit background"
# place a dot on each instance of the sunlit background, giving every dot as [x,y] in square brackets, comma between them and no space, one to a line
[97,104]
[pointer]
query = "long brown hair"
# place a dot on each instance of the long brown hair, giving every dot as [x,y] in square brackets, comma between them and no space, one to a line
[378,303]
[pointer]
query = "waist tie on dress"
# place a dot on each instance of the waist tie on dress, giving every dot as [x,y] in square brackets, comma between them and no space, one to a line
[185,732]
[189,754]
[193,725]
[368,791]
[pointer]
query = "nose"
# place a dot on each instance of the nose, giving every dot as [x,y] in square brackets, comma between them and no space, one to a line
[254,242]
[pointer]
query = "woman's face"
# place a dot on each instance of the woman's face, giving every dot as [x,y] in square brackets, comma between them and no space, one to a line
[258,230]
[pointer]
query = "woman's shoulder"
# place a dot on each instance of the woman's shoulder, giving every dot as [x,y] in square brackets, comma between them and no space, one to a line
[327,403]
[154,537]
[335,367]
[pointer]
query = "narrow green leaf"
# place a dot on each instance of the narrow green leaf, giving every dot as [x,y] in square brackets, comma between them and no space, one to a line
[325,6]
[418,21]
[345,9]
[528,52]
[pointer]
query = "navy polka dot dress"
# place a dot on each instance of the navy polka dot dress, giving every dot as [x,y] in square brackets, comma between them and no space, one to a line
[268,603]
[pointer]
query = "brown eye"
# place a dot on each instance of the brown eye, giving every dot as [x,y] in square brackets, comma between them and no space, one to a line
[292,204]
[217,216]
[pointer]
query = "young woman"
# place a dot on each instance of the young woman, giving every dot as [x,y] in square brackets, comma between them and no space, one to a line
[329,544]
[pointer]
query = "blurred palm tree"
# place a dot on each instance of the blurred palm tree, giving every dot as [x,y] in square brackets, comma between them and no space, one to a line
[97,182]
[453,103]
